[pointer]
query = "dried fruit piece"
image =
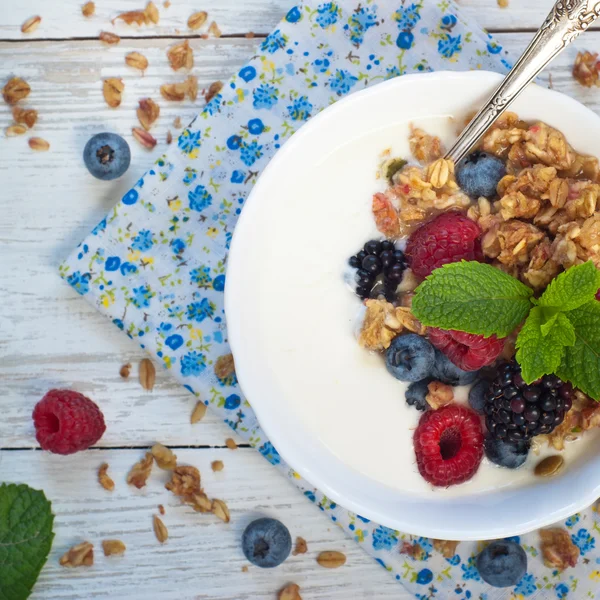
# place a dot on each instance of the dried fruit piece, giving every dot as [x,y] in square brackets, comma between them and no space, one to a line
[160,530]
[230,443]
[78,556]
[16,89]
[15,130]
[300,547]
[213,90]
[181,56]
[88,9]
[147,370]
[125,371]
[109,38]
[164,457]
[144,138]
[214,30]
[151,13]
[331,559]
[113,547]
[112,88]
[219,509]
[137,61]
[290,592]
[217,465]
[198,412]
[138,476]
[38,144]
[549,466]
[105,481]
[31,24]
[197,20]
[148,112]
[26,116]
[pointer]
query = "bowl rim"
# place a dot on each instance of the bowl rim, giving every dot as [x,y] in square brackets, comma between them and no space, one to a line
[294,456]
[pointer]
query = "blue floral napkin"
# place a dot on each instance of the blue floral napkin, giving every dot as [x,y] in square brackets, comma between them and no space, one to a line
[156,264]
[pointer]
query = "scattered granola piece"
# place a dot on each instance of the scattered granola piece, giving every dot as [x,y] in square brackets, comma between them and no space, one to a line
[174,92]
[147,370]
[558,551]
[200,502]
[213,90]
[137,61]
[177,123]
[15,130]
[585,69]
[16,89]
[230,443]
[198,412]
[181,56]
[224,366]
[88,9]
[78,556]
[214,30]
[290,592]
[385,215]
[197,20]
[31,24]
[105,481]
[38,144]
[113,547]
[147,113]
[109,38]
[245,569]
[169,137]
[425,147]
[160,530]
[439,394]
[112,88]
[503,3]
[26,116]
[125,370]
[192,87]
[331,559]
[138,476]
[161,509]
[440,173]
[166,3]
[220,510]
[185,481]
[151,13]
[446,548]
[300,547]
[132,16]
[250,35]
[217,465]
[164,457]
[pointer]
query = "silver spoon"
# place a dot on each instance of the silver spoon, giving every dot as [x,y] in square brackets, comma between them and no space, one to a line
[566,21]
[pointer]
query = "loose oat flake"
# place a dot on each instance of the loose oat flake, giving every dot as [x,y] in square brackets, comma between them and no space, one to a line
[38,144]
[105,481]
[220,510]
[198,412]
[290,592]
[152,13]
[113,547]
[147,369]
[331,559]
[197,20]
[138,476]
[137,61]
[164,457]
[160,530]
[16,89]
[214,30]
[88,9]
[148,112]
[31,24]
[81,555]
[15,130]
[174,92]
[112,88]
[26,116]
[109,38]
[181,56]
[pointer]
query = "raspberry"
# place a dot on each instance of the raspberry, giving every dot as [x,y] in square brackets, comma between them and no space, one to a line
[449,238]
[467,351]
[448,445]
[67,422]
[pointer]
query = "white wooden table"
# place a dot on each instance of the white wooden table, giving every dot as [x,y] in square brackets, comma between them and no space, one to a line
[49,337]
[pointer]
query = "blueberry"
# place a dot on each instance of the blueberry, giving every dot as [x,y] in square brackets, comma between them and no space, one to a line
[479,174]
[266,542]
[107,156]
[416,392]
[477,395]
[410,357]
[502,563]
[447,372]
[506,454]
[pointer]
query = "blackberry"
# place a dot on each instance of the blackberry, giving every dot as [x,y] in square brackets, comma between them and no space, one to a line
[379,269]
[517,412]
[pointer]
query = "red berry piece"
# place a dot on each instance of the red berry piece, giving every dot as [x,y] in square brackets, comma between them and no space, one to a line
[67,422]
[467,351]
[449,238]
[448,445]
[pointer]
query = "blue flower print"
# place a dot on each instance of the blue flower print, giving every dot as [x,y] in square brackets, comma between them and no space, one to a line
[164,327]
[342,82]
[119,324]
[248,73]
[271,454]
[131,197]
[190,176]
[256,126]
[199,198]
[174,341]
[127,268]
[234,142]
[189,142]
[265,96]
[219,283]
[300,109]
[494,48]
[363,519]
[232,402]
[201,276]
[192,363]
[424,576]
[360,22]
[328,14]
[142,296]
[449,46]
[470,570]
[448,22]
[407,16]
[100,227]
[405,40]
[310,495]
[526,586]
[454,560]
[198,311]
[143,241]
[572,520]
[80,282]
[392,72]
[274,41]
[238,176]
[294,15]
[321,65]
[112,263]
[230,380]
[384,538]
[584,541]
[178,246]
[251,152]
[561,591]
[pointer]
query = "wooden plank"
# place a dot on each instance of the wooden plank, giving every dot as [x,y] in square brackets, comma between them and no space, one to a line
[202,557]
[63,20]
[50,337]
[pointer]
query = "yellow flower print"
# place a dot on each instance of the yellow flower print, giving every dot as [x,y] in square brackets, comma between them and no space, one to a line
[240,94]
[147,260]
[106,300]
[175,204]
[168,362]
[196,334]
[134,256]
[595,575]
[212,232]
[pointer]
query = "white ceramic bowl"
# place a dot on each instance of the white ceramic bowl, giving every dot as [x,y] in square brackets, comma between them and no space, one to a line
[330,408]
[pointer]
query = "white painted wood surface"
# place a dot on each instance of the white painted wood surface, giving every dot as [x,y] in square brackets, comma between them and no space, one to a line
[49,337]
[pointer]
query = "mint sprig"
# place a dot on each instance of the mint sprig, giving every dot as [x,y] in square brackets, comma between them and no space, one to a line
[25,538]
[561,329]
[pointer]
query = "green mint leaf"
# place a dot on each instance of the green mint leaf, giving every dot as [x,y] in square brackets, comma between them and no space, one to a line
[581,362]
[472,297]
[25,539]
[573,288]
[540,354]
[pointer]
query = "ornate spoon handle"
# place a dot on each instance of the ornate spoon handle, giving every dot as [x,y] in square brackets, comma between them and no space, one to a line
[566,21]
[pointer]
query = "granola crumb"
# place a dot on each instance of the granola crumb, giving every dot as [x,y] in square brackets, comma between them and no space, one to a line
[245,569]
[224,366]
[138,476]
[503,3]
[161,509]
[213,90]
[166,3]
[300,547]
[217,465]
[250,35]
[169,137]
[290,592]
[439,394]
[113,547]
[558,551]
[230,443]
[164,457]
[177,123]
[160,530]
[446,548]
[88,9]
[185,481]
[125,371]
[81,555]
[585,69]
[198,412]
[105,481]
[214,30]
